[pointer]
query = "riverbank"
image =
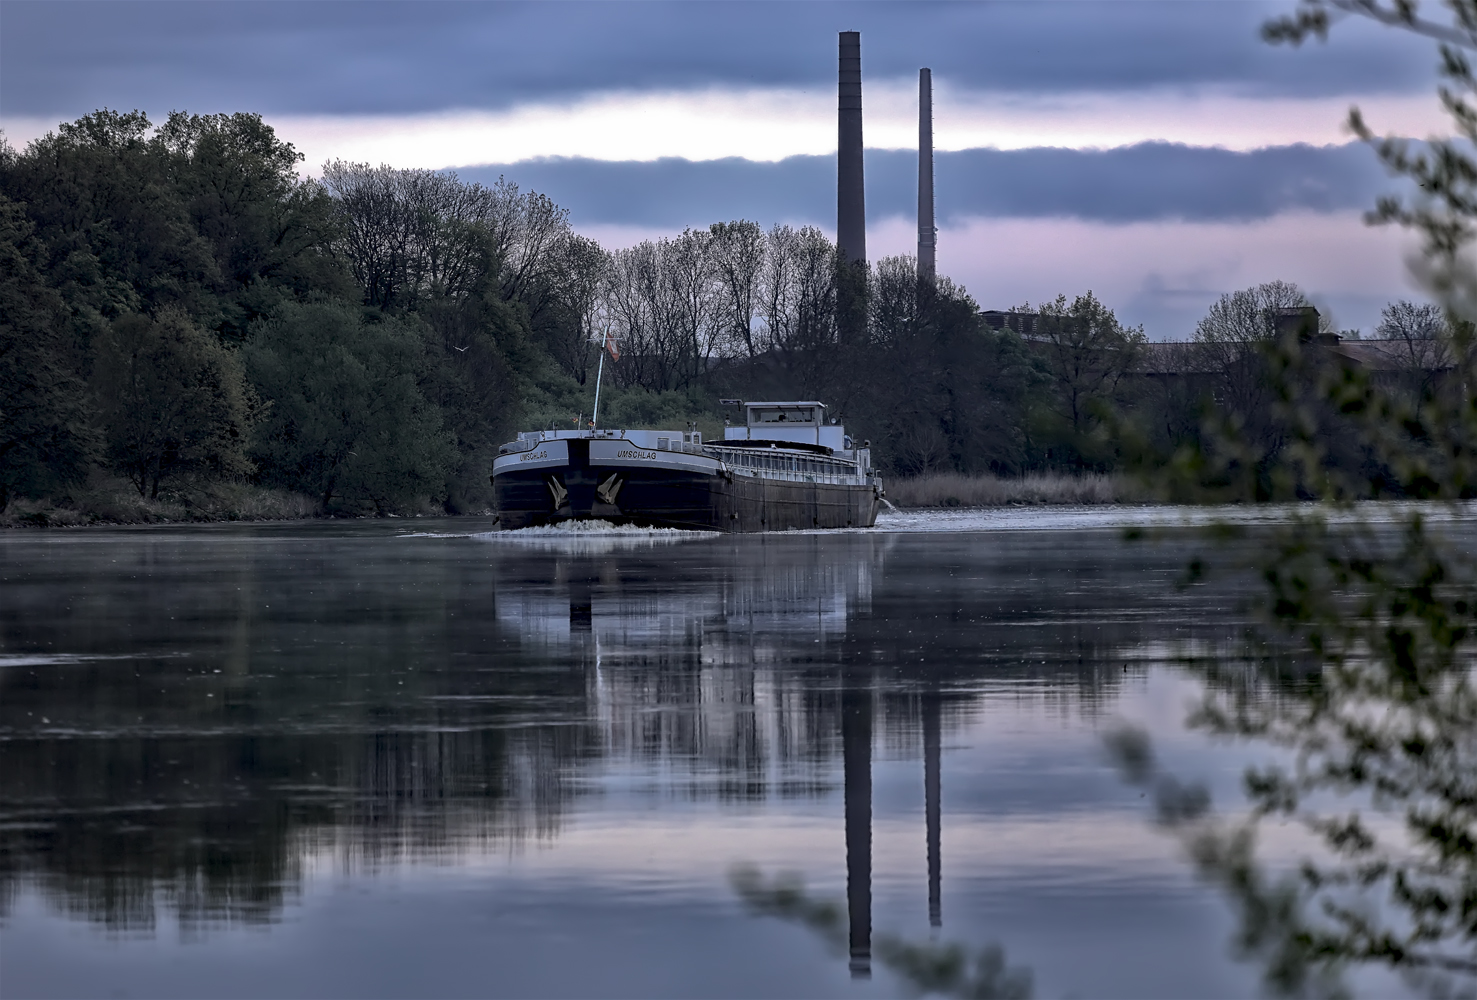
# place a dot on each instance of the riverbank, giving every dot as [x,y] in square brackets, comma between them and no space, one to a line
[952,489]
[108,500]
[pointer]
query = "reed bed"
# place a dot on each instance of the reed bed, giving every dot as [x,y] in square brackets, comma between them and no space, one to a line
[953,489]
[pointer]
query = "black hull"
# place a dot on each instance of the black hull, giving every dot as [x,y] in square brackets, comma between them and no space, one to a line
[671,498]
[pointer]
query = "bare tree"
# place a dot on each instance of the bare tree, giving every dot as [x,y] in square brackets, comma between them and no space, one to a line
[779,288]
[662,302]
[411,234]
[582,278]
[416,234]
[1420,346]
[1230,348]
[893,302]
[737,255]
[687,275]
[815,299]
[634,309]
[528,234]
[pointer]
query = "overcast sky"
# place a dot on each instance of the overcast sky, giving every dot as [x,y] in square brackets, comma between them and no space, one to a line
[1157,153]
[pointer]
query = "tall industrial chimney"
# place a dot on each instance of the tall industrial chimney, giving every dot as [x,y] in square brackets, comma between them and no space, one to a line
[851,204]
[927,234]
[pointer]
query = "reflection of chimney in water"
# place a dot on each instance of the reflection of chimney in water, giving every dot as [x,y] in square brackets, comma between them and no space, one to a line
[856,755]
[581,604]
[932,704]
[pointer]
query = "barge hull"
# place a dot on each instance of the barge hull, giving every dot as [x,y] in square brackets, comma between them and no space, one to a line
[672,498]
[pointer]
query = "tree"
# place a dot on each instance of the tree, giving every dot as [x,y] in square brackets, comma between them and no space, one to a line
[1422,348]
[799,310]
[349,423]
[412,234]
[910,408]
[101,197]
[468,378]
[239,186]
[172,400]
[737,250]
[661,301]
[47,435]
[691,296]
[583,276]
[1229,351]
[1087,352]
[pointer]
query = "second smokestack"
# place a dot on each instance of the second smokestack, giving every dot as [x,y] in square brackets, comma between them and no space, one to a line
[851,203]
[927,233]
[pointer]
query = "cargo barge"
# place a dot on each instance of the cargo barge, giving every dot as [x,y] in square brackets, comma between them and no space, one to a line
[787,468]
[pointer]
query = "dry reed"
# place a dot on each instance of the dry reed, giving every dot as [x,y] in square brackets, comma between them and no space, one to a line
[952,489]
[107,500]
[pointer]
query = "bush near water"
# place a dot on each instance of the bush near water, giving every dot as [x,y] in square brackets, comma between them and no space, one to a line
[189,329]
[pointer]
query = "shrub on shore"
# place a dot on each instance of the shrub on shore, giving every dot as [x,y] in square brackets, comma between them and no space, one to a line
[953,489]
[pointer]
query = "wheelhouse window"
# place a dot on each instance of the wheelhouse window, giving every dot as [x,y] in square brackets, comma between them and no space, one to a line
[782,415]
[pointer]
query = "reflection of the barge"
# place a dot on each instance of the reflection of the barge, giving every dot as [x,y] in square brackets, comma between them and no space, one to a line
[213,733]
[735,672]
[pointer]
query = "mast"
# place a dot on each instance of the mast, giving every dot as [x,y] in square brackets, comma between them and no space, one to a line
[927,234]
[599,374]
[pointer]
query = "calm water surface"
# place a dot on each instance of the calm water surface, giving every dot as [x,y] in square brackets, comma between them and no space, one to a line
[419,758]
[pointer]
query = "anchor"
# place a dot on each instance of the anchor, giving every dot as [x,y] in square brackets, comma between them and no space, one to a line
[607,490]
[560,494]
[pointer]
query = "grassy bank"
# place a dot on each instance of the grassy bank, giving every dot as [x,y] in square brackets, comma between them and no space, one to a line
[951,489]
[108,500]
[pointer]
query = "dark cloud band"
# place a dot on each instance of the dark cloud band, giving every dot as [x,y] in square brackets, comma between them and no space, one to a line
[365,58]
[1151,181]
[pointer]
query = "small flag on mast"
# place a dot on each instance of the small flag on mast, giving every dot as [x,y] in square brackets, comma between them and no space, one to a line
[615,352]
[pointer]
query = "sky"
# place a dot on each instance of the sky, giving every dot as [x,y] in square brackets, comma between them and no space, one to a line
[1159,154]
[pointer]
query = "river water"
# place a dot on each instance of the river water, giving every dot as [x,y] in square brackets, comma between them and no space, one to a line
[422,758]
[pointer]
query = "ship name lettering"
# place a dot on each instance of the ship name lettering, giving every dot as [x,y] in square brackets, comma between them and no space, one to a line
[534,456]
[648,456]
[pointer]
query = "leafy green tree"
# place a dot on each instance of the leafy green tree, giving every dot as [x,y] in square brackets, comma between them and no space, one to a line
[47,436]
[467,376]
[348,423]
[1087,352]
[908,404]
[172,399]
[933,387]
[989,378]
[239,187]
[119,236]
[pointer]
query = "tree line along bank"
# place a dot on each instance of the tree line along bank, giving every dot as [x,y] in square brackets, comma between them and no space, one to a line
[178,306]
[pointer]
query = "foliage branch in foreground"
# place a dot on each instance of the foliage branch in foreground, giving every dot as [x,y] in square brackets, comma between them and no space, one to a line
[1376,722]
